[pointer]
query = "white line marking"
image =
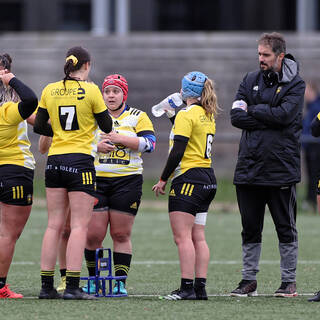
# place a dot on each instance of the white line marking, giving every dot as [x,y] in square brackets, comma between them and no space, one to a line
[209,295]
[167,262]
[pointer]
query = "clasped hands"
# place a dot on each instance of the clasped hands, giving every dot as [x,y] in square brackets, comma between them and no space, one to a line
[240,104]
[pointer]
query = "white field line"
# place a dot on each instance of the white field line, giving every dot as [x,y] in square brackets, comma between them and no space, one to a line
[165,262]
[209,295]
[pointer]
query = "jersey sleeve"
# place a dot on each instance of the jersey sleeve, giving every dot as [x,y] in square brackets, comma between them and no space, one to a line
[183,124]
[10,113]
[144,124]
[98,104]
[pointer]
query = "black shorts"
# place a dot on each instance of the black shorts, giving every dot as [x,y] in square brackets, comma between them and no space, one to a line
[16,185]
[119,193]
[193,191]
[72,171]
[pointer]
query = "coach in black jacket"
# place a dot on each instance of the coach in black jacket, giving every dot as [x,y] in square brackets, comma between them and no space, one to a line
[268,109]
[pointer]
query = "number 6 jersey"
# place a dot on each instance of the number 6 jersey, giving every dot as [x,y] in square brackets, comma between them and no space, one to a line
[192,123]
[71,108]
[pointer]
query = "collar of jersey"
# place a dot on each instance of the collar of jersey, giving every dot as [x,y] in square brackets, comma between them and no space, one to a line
[125,109]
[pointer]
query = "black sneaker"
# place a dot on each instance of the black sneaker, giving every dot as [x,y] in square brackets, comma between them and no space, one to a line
[179,294]
[49,294]
[287,289]
[246,288]
[77,294]
[201,293]
[315,298]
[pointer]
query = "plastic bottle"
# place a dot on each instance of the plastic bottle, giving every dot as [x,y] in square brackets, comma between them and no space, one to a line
[169,103]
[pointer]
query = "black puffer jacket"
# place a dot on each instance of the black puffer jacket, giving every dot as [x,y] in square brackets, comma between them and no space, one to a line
[269,150]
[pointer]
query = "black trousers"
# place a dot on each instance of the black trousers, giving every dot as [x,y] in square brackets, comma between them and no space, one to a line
[281,201]
[252,201]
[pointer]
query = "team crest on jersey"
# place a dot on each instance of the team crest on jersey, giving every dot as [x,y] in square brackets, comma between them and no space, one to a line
[29,198]
[134,206]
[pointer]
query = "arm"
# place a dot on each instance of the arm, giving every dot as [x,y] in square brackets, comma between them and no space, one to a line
[31,119]
[315,126]
[145,142]
[283,114]
[242,120]
[28,98]
[44,144]
[104,121]
[41,125]
[239,115]
[175,156]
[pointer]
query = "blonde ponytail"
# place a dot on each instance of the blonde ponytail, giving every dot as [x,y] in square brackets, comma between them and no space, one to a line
[209,100]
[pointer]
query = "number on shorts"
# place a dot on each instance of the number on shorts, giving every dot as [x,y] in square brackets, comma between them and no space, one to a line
[207,153]
[68,118]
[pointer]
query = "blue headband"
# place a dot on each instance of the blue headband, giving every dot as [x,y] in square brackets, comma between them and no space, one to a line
[193,84]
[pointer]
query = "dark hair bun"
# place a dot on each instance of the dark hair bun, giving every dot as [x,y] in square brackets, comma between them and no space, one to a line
[7,56]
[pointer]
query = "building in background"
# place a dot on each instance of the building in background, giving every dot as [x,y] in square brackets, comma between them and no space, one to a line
[159,15]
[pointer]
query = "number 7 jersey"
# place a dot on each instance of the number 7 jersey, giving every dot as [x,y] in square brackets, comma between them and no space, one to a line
[71,109]
[192,123]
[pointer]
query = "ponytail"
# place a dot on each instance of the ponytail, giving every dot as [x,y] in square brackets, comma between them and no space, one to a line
[209,100]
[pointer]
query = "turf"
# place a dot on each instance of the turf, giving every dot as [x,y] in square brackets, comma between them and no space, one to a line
[155,271]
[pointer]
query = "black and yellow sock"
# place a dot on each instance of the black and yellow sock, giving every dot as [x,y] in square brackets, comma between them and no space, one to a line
[47,278]
[90,256]
[72,279]
[63,272]
[121,263]
[186,284]
[3,282]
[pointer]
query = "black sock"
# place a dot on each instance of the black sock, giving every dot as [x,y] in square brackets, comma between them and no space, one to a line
[47,277]
[63,272]
[90,256]
[72,279]
[3,282]
[200,282]
[186,284]
[121,263]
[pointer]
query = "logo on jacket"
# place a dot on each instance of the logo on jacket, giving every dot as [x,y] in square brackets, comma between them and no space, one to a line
[255,88]
[278,90]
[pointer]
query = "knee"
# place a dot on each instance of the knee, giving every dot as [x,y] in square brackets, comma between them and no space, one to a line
[120,236]
[181,239]
[251,236]
[94,240]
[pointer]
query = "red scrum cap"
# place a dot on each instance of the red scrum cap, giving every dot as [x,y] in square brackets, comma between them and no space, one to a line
[117,80]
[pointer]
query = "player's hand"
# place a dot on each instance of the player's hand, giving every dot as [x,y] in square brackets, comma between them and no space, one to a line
[105,146]
[240,104]
[159,188]
[6,76]
[114,137]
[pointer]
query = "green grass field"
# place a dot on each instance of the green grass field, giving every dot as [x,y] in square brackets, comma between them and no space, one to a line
[155,271]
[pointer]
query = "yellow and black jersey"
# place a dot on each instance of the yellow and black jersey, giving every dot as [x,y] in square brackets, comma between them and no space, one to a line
[193,124]
[71,108]
[14,141]
[123,161]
